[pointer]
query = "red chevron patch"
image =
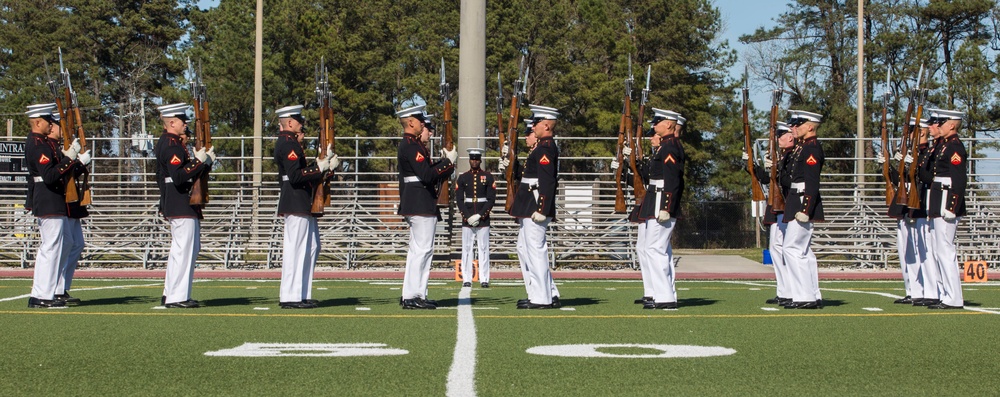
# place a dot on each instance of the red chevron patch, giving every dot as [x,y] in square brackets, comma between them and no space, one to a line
[419,158]
[175,160]
[811,160]
[44,159]
[670,159]
[544,160]
[956,159]
[292,156]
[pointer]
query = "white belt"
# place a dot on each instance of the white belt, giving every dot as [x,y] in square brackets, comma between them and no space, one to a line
[656,182]
[944,180]
[168,180]
[530,181]
[39,179]
[532,186]
[800,186]
[472,200]
[284,178]
[411,179]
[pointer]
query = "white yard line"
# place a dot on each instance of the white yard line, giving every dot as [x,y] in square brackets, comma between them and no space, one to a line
[14,298]
[462,375]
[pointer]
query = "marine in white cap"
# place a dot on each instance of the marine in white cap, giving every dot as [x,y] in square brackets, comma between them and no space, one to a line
[803,206]
[475,195]
[947,174]
[299,181]
[660,208]
[175,173]
[534,208]
[48,167]
[419,179]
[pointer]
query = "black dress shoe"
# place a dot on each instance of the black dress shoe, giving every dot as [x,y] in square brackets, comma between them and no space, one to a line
[35,302]
[809,305]
[944,306]
[784,302]
[430,301]
[66,298]
[297,305]
[793,305]
[533,306]
[521,302]
[311,301]
[188,304]
[163,300]
[773,301]
[906,300]
[659,305]
[484,285]
[466,284]
[417,303]
[927,302]
[643,300]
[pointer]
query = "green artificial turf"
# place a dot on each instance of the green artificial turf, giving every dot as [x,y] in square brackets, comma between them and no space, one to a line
[117,343]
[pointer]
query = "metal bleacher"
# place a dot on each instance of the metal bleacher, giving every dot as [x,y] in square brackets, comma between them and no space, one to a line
[360,228]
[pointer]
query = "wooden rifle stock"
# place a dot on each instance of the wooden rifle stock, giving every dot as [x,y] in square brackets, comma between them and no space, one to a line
[444,196]
[890,189]
[203,139]
[755,187]
[72,195]
[85,198]
[774,197]
[902,197]
[914,194]
[638,186]
[619,189]
[512,152]
[321,193]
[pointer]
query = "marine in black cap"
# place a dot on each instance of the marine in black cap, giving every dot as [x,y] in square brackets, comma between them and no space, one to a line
[803,206]
[946,206]
[475,195]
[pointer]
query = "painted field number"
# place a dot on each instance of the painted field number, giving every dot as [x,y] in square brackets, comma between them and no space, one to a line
[975,272]
[308,350]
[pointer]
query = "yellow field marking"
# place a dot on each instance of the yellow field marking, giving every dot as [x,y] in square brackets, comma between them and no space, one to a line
[64,312]
[637,316]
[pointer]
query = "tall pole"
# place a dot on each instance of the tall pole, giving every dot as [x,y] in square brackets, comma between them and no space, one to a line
[859,147]
[471,77]
[258,108]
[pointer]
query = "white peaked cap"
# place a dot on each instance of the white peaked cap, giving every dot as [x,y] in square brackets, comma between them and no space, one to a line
[42,110]
[178,110]
[544,112]
[950,114]
[289,111]
[807,116]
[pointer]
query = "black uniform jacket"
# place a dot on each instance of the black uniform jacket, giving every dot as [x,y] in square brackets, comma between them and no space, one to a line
[297,179]
[542,164]
[175,172]
[784,179]
[948,160]
[643,167]
[475,193]
[667,165]
[47,170]
[806,166]
[899,211]
[419,178]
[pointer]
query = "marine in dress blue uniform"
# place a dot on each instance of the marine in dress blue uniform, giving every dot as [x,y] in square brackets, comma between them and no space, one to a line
[48,166]
[803,206]
[534,208]
[475,195]
[946,204]
[773,218]
[175,174]
[419,180]
[301,232]
[633,217]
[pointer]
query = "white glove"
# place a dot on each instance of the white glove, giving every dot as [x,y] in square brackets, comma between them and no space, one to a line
[880,159]
[210,156]
[948,215]
[745,156]
[627,151]
[71,153]
[201,155]
[908,159]
[897,157]
[329,149]
[768,163]
[76,145]
[334,162]
[615,164]
[474,220]
[323,164]
[662,216]
[801,217]
[84,158]
[538,217]
[504,151]
[451,155]
[504,163]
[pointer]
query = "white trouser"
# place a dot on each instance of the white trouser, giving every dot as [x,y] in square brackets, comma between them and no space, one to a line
[912,254]
[777,248]
[930,276]
[419,256]
[74,246]
[522,255]
[801,262]
[660,257]
[533,250]
[947,260]
[644,266]
[298,260]
[185,243]
[480,236]
[49,260]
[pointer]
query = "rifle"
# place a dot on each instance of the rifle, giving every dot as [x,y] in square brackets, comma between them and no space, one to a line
[755,187]
[321,194]
[202,133]
[902,196]
[890,189]
[499,101]
[624,127]
[914,195]
[72,123]
[445,89]
[515,108]
[774,197]
[638,187]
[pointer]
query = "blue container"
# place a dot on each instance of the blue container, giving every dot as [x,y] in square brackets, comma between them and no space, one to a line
[767,257]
